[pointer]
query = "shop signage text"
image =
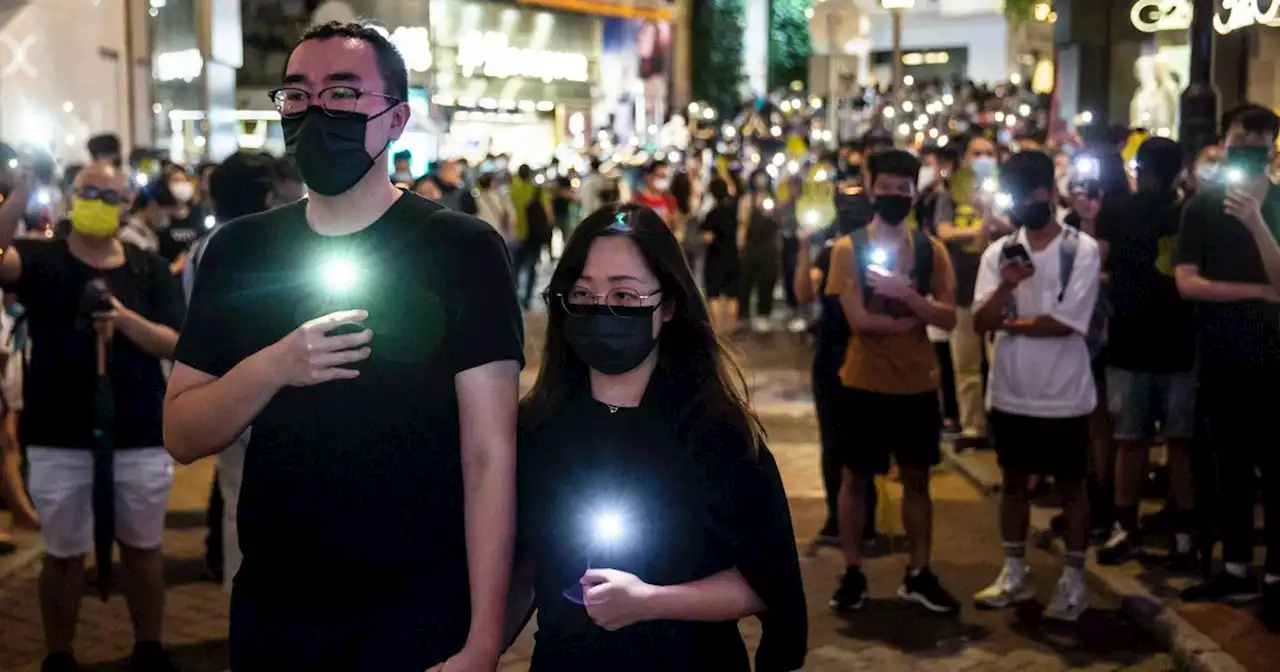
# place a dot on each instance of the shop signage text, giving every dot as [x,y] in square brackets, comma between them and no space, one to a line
[1152,16]
[492,55]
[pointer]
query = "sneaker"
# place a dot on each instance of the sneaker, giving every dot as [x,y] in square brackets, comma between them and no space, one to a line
[1010,588]
[1224,587]
[1120,548]
[63,661]
[761,325]
[150,657]
[798,325]
[925,589]
[1068,600]
[851,596]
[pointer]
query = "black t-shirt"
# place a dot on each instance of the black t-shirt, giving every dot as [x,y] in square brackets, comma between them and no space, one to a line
[1239,333]
[61,378]
[356,485]
[182,232]
[560,201]
[831,328]
[1152,328]
[722,222]
[693,501]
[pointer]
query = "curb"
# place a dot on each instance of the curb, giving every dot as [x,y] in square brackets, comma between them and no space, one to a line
[1191,649]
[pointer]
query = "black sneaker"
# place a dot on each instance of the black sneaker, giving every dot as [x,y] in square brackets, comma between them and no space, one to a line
[1224,587]
[925,589]
[63,661]
[1119,549]
[851,596]
[150,657]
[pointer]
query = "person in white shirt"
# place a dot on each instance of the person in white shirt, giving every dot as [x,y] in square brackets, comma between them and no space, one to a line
[495,208]
[590,192]
[1036,291]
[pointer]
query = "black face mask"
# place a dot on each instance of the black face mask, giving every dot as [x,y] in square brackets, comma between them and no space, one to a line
[1252,160]
[892,209]
[329,151]
[1032,216]
[611,343]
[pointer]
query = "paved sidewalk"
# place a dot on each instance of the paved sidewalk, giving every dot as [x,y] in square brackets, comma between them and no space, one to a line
[1215,637]
[889,636]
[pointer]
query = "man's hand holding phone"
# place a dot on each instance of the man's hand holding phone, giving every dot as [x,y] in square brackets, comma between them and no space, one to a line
[1015,265]
[313,353]
[1243,206]
[888,284]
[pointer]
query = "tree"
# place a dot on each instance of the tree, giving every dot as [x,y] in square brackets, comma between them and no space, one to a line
[718,27]
[789,43]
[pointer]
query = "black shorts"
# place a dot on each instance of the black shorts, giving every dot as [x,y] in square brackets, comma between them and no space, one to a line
[1045,446]
[872,426]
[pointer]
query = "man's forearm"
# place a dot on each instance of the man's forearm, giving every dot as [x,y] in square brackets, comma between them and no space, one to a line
[488,478]
[1039,326]
[154,339]
[932,312]
[990,314]
[204,420]
[724,596]
[1220,291]
[11,212]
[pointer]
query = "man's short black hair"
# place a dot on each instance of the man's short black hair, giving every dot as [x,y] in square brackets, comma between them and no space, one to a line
[390,62]
[895,162]
[1025,172]
[1254,119]
[406,155]
[1036,136]
[103,145]
[652,166]
[156,191]
[284,171]
[1159,161]
[241,184]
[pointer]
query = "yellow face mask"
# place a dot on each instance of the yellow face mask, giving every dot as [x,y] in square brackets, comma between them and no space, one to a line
[94,218]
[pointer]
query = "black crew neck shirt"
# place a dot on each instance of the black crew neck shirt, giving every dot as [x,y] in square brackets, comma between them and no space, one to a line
[62,375]
[1237,333]
[1152,328]
[182,233]
[694,501]
[352,490]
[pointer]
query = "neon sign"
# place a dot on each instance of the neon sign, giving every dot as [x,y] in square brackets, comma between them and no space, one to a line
[1151,16]
[492,55]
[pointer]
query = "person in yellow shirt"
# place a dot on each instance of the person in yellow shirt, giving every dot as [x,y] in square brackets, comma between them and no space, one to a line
[892,282]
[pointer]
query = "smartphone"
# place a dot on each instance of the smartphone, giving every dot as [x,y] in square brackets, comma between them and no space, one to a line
[1016,251]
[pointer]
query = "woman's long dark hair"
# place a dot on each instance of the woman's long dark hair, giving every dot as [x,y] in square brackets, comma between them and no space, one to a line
[688,348]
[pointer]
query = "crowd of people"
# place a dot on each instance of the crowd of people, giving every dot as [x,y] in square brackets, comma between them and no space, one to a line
[346,338]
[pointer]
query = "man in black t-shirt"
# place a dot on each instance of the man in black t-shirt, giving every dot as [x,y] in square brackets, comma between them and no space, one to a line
[1151,378]
[377,506]
[1238,327]
[60,418]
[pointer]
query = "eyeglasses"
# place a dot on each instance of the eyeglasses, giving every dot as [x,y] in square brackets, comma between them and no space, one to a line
[620,302]
[336,101]
[105,195]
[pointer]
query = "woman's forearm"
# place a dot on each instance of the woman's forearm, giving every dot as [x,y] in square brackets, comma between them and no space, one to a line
[1269,251]
[724,596]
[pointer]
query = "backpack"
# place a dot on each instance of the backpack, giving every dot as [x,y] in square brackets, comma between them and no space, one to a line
[1096,337]
[538,228]
[922,249]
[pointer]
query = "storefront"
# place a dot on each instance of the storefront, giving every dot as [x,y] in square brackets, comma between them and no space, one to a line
[196,50]
[1127,62]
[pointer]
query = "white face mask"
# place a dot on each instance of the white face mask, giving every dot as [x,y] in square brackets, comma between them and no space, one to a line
[661,184]
[927,175]
[182,191]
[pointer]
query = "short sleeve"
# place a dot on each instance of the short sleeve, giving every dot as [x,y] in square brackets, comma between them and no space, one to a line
[1076,307]
[988,274]
[746,496]
[944,275]
[167,305]
[842,266]
[1190,248]
[203,344]
[36,257]
[488,325]
[944,210]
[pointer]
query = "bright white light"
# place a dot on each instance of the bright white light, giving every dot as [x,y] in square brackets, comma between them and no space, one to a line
[609,527]
[812,218]
[907,106]
[1087,166]
[68,106]
[141,179]
[989,185]
[793,167]
[779,159]
[889,112]
[775,131]
[1235,176]
[948,99]
[785,105]
[768,204]
[879,257]
[728,131]
[772,170]
[209,221]
[820,176]
[1024,109]
[1010,121]
[908,80]
[904,129]
[933,133]
[755,158]
[43,197]
[942,141]
[999,116]
[708,113]
[340,274]
[13,163]
[1003,200]
[1086,117]
[693,108]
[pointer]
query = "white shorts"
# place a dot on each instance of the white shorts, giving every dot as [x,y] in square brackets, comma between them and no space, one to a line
[61,484]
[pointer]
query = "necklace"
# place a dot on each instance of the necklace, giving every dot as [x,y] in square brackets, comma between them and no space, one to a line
[612,409]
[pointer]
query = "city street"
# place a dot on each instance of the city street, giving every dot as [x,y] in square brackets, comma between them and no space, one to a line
[888,636]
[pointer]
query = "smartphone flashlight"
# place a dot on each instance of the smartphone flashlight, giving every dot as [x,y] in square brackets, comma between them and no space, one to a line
[1086,167]
[339,274]
[1235,176]
[989,185]
[1003,201]
[608,527]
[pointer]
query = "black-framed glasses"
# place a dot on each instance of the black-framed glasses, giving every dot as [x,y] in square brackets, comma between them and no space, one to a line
[110,196]
[336,101]
[620,302]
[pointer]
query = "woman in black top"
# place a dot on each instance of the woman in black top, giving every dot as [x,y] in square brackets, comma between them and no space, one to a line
[646,492]
[758,219]
[720,272]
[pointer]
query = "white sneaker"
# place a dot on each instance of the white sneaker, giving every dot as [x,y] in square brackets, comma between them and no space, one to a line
[761,325]
[1068,600]
[1011,587]
[798,325]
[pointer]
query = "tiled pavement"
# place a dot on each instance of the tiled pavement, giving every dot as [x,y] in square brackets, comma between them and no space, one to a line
[889,636]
